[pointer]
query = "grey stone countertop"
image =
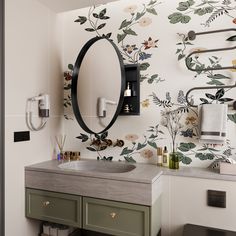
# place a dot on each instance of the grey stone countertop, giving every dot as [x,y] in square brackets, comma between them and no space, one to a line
[143,173]
[198,172]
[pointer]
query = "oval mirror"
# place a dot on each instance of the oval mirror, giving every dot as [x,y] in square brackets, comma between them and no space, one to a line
[98,84]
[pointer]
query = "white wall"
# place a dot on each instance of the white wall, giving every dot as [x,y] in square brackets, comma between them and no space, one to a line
[32,67]
[184,200]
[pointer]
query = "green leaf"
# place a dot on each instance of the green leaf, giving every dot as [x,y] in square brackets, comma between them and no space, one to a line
[181,56]
[218,76]
[121,37]
[232,38]
[81,19]
[140,146]
[152,11]
[101,148]
[226,100]
[129,159]
[70,67]
[101,26]
[153,136]
[126,151]
[95,15]
[152,144]
[210,156]
[184,159]
[203,11]
[144,66]
[215,82]
[124,24]
[108,35]
[232,117]
[129,31]
[211,61]
[213,149]
[104,135]
[152,2]
[191,2]
[90,29]
[139,15]
[185,147]
[175,17]
[183,6]
[102,13]
[202,149]
[185,19]
[219,94]
[189,61]
[154,76]
[178,51]
[204,100]
[91,149]
[208,95]
[83,137]
[201,156]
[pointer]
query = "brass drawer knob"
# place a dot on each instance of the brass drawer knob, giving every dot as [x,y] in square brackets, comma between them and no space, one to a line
[113,215]
[46,203]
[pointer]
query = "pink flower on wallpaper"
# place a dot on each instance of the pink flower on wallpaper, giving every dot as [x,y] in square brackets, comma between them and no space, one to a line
[150,43]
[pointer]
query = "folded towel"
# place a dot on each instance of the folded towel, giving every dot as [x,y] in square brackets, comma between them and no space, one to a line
[213,118]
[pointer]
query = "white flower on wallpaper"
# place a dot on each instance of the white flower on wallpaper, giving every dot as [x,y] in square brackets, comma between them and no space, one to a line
[131,9]
[145,21]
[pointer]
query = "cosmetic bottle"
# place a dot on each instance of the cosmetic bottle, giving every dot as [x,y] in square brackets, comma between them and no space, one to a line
[165,157]
[128,90]
[159,156]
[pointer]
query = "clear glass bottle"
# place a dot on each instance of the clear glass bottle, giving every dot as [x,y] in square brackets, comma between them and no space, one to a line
[165,157]
[128,90]
[159,156]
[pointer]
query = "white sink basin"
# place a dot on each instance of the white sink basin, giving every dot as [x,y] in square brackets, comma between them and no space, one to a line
[98,166]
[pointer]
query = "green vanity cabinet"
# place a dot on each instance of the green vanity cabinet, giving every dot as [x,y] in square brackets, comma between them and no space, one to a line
[93,214]
[115,218]
[55,207]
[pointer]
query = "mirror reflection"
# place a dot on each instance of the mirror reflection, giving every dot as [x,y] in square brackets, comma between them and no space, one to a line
[98,85]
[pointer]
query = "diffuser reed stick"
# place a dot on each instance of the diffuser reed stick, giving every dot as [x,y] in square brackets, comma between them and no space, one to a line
[60,140]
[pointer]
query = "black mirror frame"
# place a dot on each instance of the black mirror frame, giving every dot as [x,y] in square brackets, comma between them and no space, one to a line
[2,120]
[75,82]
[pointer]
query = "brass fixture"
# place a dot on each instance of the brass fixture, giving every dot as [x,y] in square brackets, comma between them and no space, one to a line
[113,215]
[46,203]
[119,143]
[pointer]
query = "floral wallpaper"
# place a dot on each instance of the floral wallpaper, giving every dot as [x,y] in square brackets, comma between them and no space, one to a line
[154,34]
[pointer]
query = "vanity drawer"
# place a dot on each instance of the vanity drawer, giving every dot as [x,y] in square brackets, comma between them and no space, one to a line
[115,218]
[55,207]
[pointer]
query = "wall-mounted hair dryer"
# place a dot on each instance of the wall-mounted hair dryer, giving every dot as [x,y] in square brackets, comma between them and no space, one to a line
[101,106]
[43,111]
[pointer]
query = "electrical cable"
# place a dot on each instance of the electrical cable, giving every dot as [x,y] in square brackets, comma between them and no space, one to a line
[29,115]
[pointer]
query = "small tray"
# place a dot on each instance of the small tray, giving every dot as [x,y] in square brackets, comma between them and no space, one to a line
[227,169]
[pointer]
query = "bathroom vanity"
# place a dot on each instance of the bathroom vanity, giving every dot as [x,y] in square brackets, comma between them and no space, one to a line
[124,202]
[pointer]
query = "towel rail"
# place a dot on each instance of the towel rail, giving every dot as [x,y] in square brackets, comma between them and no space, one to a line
[207,87]
[192,35]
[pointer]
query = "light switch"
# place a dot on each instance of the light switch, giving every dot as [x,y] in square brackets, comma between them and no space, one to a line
[216,198]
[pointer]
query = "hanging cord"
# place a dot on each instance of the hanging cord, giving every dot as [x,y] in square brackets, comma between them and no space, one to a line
[29,116]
